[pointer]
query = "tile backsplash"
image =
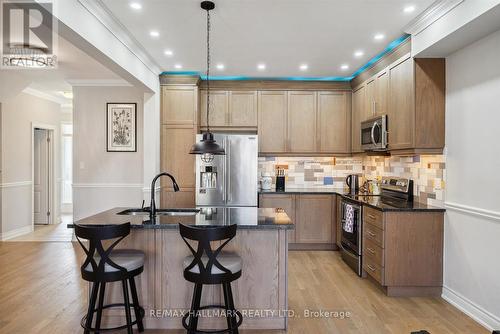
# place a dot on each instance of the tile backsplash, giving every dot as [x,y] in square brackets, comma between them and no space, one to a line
[427,171]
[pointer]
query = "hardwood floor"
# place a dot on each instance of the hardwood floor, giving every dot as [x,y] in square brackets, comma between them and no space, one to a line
[41,292]
[52,232]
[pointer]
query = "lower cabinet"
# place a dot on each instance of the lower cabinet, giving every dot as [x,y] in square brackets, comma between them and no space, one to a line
[403,251]
[184,198]
[314,217]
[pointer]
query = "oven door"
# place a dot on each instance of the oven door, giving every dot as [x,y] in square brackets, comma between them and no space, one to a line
[351,233]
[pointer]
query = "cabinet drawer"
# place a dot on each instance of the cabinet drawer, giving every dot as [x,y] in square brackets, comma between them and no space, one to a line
[374,252]
[373,234]
[373,270]
[374,217]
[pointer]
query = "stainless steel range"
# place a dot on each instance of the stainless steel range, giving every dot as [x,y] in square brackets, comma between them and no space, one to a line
[396,193]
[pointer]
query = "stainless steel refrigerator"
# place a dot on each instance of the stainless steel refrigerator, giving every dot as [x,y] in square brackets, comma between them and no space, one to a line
[230,179]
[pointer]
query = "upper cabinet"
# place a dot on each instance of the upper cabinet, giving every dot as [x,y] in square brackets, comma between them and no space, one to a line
[302,135]
[272,121]
[304,122]
[231,110]
[411,92]
[334,119]
[179,105]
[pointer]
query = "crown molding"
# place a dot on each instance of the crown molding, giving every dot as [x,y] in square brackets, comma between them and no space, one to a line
[113,24]
[98,83]
[433,13]
[45,96]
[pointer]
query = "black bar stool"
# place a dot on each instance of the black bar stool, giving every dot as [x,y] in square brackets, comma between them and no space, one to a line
[107,265]
[207,266]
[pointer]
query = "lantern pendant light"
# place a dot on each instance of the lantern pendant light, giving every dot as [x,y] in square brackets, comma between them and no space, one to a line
[207,147]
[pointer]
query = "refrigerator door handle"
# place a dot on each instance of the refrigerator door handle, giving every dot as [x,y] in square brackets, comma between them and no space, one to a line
[224,176]
[228,169]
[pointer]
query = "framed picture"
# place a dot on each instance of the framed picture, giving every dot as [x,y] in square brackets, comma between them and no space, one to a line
[121,127]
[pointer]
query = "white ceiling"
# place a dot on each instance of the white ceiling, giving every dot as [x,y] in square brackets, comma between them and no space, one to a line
[283,34]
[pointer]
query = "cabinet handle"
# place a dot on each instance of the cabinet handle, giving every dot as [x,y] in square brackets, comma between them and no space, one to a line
[372,216]
[370,267]
[370,250]
[371,234]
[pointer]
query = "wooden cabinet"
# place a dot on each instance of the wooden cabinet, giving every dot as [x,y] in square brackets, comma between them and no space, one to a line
[219,109]
[283,201]
[314,216]
[338,225]
[229,109]
[179,105]
[358,105]
[243,109]
[272,127]
[302,122]
[175,157]
[314,219]
[403,251]
[334,119]
[184,198]
[411,92]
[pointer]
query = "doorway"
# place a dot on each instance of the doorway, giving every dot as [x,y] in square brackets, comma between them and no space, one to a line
[43,190]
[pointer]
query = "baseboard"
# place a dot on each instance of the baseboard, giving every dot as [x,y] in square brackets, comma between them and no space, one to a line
[480,315]
[16,233]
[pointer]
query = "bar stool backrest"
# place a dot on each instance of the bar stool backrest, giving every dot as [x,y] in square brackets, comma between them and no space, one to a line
[96,235]
[204,236]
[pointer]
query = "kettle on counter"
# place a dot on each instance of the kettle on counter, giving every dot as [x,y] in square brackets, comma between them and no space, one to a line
[352,182]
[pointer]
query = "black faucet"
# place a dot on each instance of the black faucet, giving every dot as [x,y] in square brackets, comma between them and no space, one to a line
[152,206]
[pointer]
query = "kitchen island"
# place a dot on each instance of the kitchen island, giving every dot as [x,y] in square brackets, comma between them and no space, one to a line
[260,294]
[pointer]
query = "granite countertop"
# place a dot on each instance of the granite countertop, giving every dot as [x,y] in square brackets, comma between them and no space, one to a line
[244,217]
[374,201]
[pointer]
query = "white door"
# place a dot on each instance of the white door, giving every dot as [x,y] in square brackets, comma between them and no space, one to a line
[41,177]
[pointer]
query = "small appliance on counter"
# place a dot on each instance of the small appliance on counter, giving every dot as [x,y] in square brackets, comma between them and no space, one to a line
[280,180]
[266,181]
[352,182]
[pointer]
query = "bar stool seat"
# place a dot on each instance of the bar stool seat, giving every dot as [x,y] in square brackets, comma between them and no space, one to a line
[232,262]
[130,259]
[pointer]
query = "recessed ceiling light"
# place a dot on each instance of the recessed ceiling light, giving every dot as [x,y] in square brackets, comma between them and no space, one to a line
[178,66]
[409,9]
[303,67]
[261,67]
[169,53]
[379,37]
[344,67]
[358,54]
[220,67]
[154,33]
[135,5]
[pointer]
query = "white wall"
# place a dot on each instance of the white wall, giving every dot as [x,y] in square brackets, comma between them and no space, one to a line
[17,115]
[102,180]
[472,226]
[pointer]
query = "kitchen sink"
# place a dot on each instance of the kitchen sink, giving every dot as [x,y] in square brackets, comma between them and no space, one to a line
[160,212]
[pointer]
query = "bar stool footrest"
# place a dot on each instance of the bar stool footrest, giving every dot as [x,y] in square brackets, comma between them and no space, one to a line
[220,331]
[92,329]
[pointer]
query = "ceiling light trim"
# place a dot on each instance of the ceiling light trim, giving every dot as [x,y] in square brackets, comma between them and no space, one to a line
[115,27]
[433,13]
[390,47]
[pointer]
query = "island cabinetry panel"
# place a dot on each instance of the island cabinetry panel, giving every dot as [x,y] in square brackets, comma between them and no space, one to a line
[282,201]
[314,215]
[403,251]
[230,110]
[272,115]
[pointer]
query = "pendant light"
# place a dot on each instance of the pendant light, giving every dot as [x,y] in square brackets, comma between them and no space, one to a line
[207,147]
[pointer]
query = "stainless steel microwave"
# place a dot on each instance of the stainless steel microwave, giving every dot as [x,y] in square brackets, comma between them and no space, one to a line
[374,134]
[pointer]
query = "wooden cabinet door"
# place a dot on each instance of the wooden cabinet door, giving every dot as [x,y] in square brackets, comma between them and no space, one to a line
[286,202]
[333,122]
[272,121]
[381,91]
[243,109]
[314,219]
[302,136]
[358,103]
[338,222]
[369,108]
[185,198]
[179,105]
[175,157]
[401,112]
[219,108]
